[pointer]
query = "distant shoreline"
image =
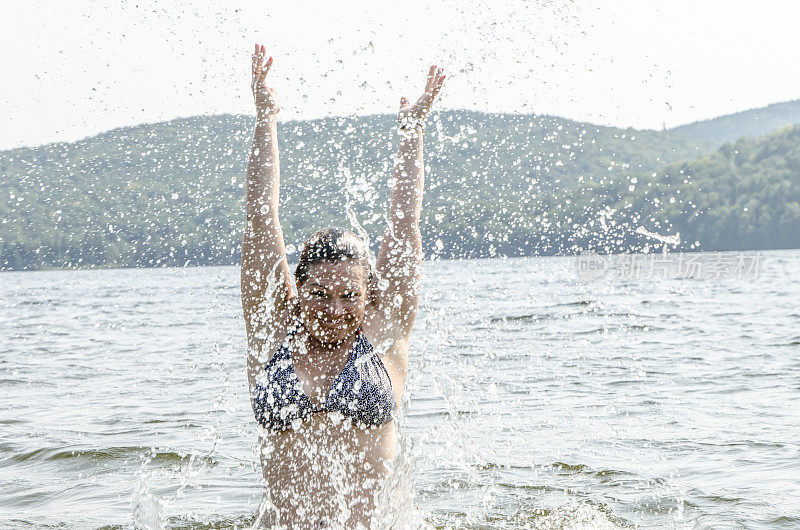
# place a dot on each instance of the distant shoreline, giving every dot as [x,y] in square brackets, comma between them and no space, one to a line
[496,184]
[427,260]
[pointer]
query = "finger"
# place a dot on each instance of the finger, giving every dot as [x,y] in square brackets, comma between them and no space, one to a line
[263,75]
[263,54]
[268,65]
[255,59]
[439,86]
[431,75]
[259,62]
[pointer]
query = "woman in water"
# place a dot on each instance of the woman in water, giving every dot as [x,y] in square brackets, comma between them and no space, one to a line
[326,366]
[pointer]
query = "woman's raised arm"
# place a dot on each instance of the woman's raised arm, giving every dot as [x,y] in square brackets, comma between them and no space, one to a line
[400,254]
[265,284]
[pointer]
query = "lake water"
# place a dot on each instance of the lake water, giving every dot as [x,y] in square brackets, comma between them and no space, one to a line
[536,399]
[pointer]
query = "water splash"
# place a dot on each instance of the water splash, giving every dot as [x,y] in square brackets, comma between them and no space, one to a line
[667,240]
[147,507]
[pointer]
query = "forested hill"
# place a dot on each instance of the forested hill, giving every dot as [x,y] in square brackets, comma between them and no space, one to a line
[747,194]
[172,193]
[755,122]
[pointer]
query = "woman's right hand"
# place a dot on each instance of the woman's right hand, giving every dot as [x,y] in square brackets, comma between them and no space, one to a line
[263,95]
[415,115]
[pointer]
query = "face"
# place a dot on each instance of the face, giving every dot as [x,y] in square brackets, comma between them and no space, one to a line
[332,300]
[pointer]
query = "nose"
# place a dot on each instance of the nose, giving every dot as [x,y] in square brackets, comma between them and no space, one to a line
[337,309]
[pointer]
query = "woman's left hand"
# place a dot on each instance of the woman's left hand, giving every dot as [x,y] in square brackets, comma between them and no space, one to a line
[412,116]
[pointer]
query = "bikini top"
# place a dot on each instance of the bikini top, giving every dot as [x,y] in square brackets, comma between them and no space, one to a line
[362,391]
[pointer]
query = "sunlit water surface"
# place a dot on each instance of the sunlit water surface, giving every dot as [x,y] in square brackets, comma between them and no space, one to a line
[536,400]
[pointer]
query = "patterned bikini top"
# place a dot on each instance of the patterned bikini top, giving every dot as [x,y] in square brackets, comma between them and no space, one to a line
[362,391]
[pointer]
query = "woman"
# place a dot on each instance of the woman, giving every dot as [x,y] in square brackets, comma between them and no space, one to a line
[326,367]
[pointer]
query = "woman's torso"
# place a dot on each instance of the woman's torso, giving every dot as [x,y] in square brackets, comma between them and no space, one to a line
[327,465]
[325,471]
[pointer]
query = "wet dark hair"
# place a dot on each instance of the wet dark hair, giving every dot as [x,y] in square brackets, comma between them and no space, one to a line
[330,245]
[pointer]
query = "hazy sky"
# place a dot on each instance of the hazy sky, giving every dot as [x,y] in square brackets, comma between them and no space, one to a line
[73,69]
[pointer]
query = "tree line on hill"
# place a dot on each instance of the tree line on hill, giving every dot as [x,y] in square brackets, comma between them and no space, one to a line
[172,193]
